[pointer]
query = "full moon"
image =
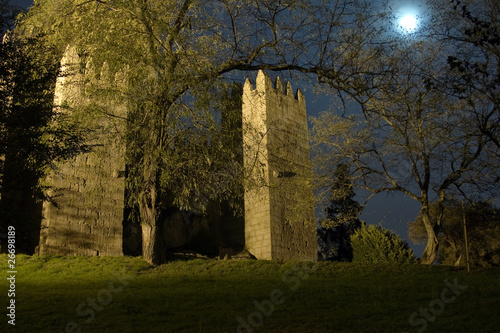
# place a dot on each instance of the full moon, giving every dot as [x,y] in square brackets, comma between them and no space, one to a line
[408,22]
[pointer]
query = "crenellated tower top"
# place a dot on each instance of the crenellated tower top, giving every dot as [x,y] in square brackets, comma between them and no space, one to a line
[265,85]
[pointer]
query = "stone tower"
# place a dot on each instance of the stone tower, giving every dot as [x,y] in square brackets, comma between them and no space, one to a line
[86,214]
[279,213]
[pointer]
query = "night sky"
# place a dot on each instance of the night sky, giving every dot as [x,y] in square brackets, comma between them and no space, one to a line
[22,3]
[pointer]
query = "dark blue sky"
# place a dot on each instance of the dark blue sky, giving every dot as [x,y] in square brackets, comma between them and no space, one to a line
[21,3]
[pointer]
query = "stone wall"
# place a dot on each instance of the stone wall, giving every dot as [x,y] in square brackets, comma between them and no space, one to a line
[86,214]
[279,214]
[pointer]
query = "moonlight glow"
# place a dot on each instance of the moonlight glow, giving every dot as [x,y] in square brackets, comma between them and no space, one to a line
[408,22]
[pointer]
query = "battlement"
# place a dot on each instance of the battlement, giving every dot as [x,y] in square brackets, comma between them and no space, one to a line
[265,85]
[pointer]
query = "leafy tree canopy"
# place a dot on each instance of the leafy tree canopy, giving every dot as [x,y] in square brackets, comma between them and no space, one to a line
[483,231]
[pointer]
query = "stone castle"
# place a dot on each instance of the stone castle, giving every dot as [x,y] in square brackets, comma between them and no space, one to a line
[87,215]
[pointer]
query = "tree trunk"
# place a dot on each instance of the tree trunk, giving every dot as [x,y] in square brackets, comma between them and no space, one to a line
[431,249]
[148,236]
[152,230]
[430,252]
[152,244]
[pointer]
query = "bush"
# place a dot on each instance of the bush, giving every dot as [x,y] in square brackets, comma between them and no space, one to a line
[374,244]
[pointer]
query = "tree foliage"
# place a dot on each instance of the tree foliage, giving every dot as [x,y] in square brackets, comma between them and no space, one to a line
[483,233]
[374,244]
[343,208]
[32,135]
[342,219]
[473,30]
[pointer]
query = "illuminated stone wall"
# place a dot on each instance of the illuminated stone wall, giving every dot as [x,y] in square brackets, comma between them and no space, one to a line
[86,214]
[279,214]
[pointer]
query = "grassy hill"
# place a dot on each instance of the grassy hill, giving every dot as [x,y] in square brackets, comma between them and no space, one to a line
[123,294]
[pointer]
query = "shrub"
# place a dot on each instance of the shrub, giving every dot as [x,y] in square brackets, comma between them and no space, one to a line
[374,244]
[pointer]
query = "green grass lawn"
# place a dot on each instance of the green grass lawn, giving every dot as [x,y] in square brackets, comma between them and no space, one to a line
[123,294]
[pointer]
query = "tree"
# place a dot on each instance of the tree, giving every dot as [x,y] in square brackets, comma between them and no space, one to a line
[472,31]
[32,135]
[342,218]
[343,208]
[451,65]
[411,136]
[175,55]
[483,233]
[373,244]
